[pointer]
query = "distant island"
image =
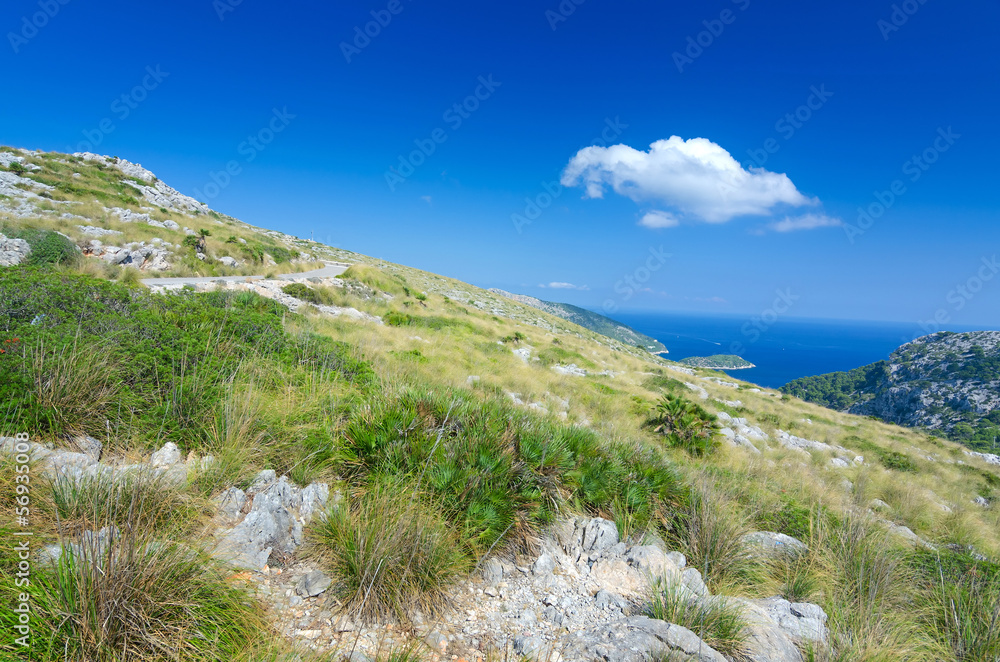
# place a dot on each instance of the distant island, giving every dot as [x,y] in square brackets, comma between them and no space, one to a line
[718,362]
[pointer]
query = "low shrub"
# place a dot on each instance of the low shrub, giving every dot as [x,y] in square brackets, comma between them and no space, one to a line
[684,424]
[303,292]
[890,459]
[499,473]
[47,247]
[90,351]
[557,355]
[432,322]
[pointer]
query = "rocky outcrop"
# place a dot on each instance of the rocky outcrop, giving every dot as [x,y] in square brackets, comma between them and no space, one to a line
[636,639]
[13,251]
[771,545]
[155,191]
[266,519]
[154,256]
[269,519]
[739,432]
[584,597]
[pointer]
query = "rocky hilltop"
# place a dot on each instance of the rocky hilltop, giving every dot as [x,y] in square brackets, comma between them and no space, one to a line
[948,382]
[589,320]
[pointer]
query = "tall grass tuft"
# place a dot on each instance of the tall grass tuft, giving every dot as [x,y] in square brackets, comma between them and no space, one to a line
[390,554]
[74,386]
[709,532]
[132,596]
[719,622]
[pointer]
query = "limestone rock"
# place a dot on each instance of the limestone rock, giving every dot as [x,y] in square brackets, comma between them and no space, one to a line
[636,639]
[13,251]
[312,584]
[769,544]
[278,512]
[167,456]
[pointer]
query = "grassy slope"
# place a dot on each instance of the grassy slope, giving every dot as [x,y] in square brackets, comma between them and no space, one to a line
[296,419]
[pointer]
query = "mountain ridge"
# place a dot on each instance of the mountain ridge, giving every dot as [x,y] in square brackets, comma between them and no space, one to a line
[588,319]
[944,382]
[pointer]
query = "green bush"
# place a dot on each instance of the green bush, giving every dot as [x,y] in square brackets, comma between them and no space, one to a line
[281,254]
[17,168]
[47,247]
[91,350]
[663,383]
[433,322]
[558,355]
[890,459]
[303,292]
[684,424]
[496,471]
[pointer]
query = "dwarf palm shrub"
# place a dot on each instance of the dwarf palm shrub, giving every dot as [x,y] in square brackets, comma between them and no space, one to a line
[498,471]
[684,424]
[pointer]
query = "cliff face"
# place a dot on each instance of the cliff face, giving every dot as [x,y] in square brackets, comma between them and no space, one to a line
[939,382]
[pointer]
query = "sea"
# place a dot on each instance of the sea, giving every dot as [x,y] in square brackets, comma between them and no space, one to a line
[785,349]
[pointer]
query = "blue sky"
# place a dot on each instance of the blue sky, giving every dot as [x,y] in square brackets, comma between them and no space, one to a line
[540,82]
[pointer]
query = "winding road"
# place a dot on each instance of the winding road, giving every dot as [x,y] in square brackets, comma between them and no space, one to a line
[331,270]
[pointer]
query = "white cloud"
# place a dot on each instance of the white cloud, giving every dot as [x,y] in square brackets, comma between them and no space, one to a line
[696,177]
[563,286]
[807,222]
[426,198]
[659,219]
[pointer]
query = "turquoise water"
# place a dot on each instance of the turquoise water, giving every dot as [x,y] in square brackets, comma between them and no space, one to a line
[786,349]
